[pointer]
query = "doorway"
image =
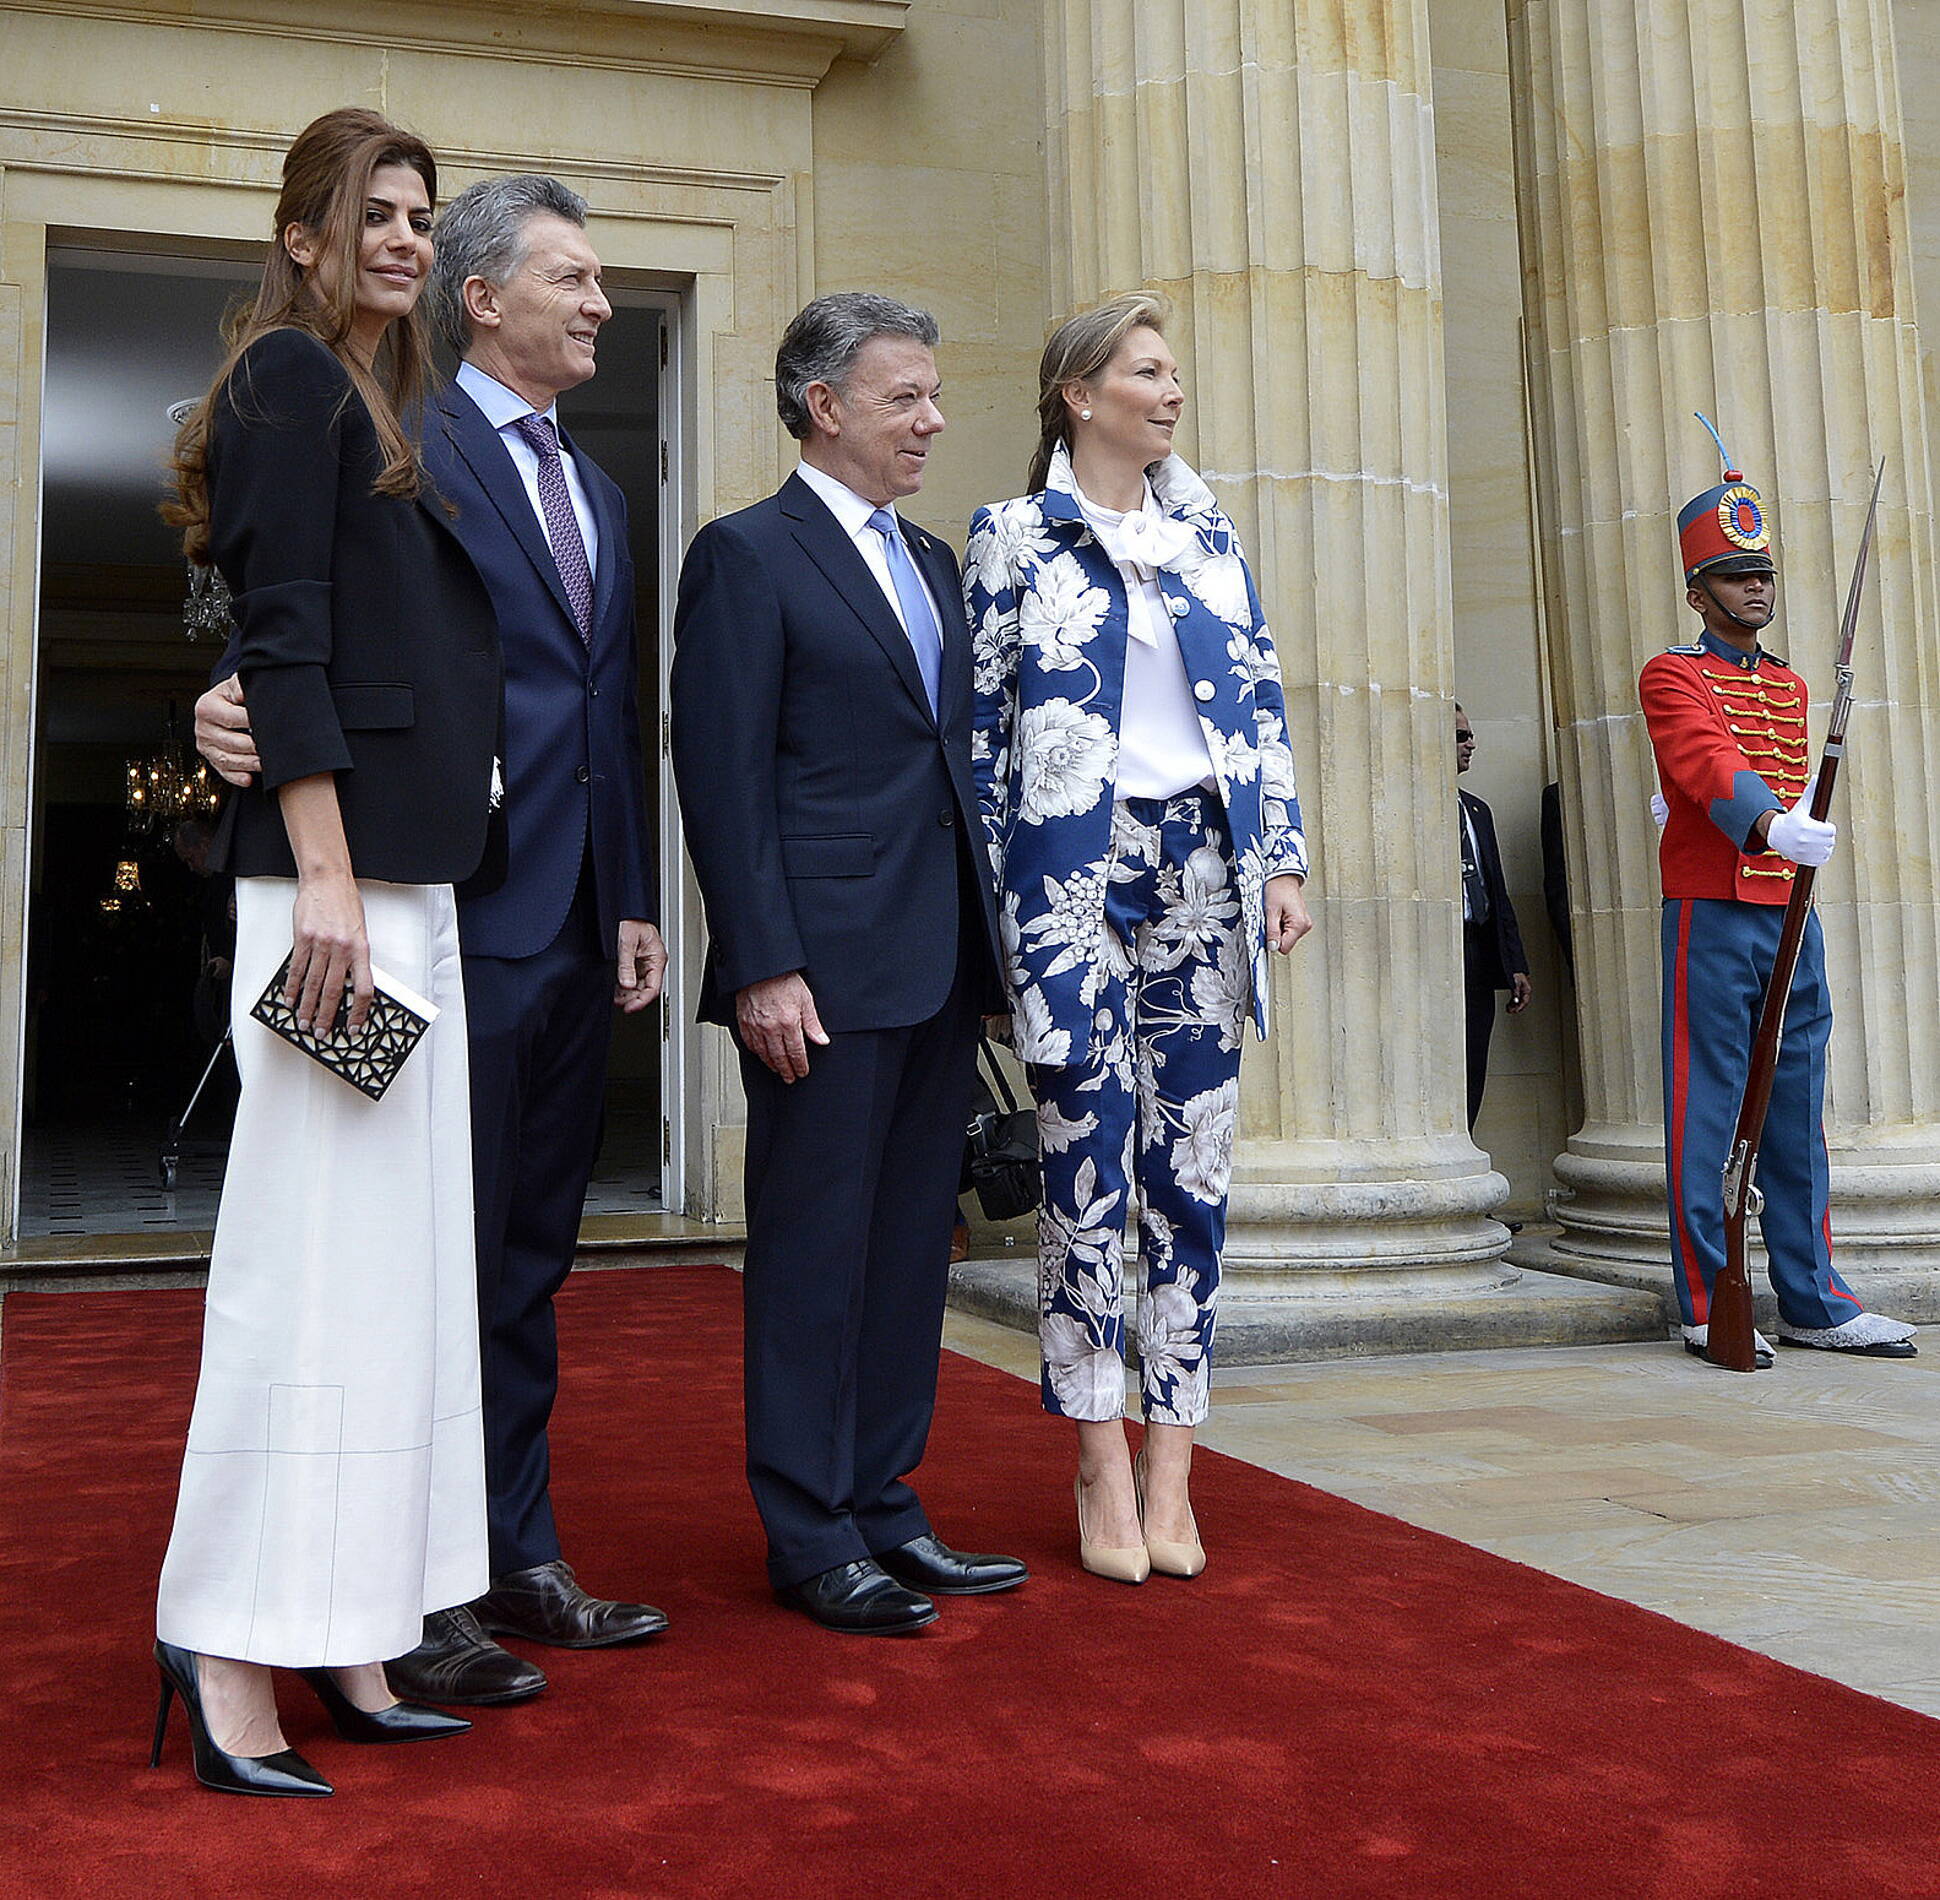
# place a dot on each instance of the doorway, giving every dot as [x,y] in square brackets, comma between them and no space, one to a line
[121,928]
[616,419]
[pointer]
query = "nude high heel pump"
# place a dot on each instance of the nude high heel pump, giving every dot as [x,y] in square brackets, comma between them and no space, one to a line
[1169,1559]
[1122,1564]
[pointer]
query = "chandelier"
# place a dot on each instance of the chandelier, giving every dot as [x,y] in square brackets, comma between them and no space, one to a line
[208,607]
[125,893]
[167,787]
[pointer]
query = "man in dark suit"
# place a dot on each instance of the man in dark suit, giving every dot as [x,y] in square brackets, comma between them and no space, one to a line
[569,924]
[1492,954]
[821,743]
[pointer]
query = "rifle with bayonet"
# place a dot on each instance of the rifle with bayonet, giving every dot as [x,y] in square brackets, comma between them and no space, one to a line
[1729,1335]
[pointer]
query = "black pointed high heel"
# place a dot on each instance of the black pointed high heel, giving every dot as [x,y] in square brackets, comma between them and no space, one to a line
[285,1772]
[401,1722]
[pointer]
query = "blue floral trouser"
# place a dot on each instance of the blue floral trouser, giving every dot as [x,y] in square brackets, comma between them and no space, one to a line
[1150,1108]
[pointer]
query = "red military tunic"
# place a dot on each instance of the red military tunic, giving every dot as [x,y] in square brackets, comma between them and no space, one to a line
[1729,733]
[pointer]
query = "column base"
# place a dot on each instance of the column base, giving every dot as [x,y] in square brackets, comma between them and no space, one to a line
[1912,1295]
[1321,1220]
[1523,1309]
[1885,1213]
[1333,1269]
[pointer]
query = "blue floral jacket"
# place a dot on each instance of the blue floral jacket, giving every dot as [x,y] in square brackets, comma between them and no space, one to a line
[1049,617]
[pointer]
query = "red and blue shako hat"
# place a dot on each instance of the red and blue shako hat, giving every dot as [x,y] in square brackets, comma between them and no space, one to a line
[1723,530]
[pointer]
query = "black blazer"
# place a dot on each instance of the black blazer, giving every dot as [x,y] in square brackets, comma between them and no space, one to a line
[575,775]
[364,637]
[1495,951]
[832,821]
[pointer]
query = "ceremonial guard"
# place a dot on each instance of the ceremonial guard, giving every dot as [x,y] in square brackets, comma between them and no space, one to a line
[1727,723]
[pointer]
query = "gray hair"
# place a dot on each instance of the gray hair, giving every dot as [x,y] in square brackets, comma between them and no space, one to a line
[823,342]
[482,234]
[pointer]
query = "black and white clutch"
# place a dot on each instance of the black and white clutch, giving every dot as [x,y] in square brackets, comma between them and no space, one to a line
[368,1062]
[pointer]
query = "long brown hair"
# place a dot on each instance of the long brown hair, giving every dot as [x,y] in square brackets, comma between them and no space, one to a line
[326,180]
[1080,347]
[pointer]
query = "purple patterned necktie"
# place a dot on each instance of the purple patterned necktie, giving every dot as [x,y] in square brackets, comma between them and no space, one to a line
[562,525]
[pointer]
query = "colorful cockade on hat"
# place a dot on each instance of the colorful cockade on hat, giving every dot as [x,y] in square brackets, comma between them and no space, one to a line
[1723,530]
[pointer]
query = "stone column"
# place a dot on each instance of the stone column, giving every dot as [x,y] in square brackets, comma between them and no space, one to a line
[1712,200]
[1271,168]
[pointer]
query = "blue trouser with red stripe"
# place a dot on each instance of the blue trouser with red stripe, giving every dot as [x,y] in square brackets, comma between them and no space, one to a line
[1717,957]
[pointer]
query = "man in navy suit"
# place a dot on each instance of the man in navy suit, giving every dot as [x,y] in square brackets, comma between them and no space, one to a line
[569,925]
[821,743]
[1492,955]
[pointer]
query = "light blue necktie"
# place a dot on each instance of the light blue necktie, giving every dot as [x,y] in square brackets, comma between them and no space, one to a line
[919,617]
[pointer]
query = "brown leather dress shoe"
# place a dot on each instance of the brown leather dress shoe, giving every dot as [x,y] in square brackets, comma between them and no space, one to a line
[546,1605]
[457,1662]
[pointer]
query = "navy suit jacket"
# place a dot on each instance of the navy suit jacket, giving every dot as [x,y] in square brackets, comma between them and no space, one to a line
[831,818]
[573,761]
[1500,954]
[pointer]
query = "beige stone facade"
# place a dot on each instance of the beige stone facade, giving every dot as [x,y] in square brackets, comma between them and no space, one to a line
[1449,278]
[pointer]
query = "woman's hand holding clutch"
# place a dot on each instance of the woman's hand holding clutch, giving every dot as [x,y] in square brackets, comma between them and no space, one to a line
[1287,917]
[329,950]
[329,953]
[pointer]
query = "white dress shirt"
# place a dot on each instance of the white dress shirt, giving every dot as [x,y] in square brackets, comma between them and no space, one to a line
[852,514]
[1162,748]
[1474,857]
[503,409]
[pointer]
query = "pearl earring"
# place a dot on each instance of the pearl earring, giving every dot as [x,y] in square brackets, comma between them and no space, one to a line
[1084,415]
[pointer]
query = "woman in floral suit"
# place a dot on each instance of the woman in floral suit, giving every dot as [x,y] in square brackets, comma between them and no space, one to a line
[1131,755]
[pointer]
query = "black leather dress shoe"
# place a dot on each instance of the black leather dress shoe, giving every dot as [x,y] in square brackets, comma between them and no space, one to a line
[860,1599]
[458,1662]
[928,1564]
[546,1605]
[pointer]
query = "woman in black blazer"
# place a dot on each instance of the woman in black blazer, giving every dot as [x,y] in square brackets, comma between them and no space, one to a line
[333,1486]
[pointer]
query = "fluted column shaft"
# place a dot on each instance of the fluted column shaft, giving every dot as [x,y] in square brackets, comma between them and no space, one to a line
[1271,168]
[1712,198]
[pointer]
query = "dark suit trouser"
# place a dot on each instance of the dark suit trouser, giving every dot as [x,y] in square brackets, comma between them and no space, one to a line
[1481,1022]
[540,1027]
[851,1189]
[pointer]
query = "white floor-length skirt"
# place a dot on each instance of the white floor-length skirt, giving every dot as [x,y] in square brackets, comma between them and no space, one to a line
[333,1489]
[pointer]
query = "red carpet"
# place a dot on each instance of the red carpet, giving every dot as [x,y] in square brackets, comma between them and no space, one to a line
[1342,1706]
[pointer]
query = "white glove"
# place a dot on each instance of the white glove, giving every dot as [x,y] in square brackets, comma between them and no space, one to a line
[1660,810]
[1797,835]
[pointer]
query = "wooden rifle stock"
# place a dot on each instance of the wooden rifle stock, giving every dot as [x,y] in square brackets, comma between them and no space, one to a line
[1730,1339]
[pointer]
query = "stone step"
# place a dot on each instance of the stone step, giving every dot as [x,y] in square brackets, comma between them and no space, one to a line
[1912,1294]
[1533,1309]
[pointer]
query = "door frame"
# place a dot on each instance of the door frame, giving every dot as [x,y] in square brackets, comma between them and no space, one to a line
[680,1042]
[679,1054]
